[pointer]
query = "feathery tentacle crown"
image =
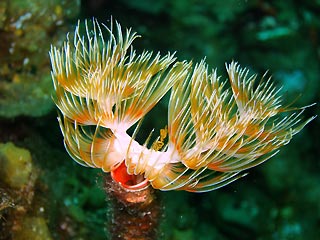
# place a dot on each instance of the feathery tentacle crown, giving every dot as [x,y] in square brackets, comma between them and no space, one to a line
[103,87]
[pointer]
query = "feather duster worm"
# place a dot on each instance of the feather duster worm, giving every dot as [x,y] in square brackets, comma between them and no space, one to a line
[216,130]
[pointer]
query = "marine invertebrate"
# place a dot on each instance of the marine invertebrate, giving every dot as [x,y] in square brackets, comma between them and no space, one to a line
[215,132]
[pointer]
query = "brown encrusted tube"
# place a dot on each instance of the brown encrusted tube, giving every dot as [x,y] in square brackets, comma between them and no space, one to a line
[135,213]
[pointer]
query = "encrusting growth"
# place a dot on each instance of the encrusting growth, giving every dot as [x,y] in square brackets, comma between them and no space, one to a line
[216,129]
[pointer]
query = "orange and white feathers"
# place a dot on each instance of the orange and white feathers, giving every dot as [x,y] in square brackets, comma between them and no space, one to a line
[216,129]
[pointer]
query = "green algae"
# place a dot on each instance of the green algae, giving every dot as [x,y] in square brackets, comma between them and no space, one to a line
[16,165]
[34,228]
[27,29]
